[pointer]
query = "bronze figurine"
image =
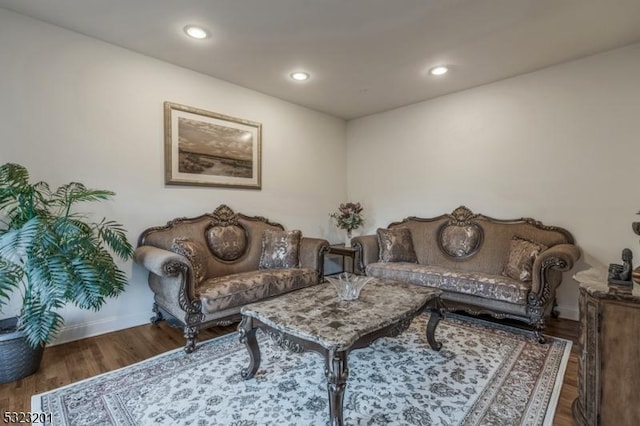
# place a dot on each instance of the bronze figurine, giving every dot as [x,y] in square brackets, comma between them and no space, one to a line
[635,275]
[621,274]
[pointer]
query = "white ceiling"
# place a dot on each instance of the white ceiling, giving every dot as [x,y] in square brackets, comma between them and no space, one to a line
[364,56]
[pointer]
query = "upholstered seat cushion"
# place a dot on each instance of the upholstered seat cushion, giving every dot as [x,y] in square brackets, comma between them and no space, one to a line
[496,287]
[239,289]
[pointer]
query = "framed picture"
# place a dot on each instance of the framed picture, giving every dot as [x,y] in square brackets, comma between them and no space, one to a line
[210,149]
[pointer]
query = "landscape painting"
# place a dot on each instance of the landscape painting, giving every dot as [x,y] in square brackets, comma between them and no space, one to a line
[206,148]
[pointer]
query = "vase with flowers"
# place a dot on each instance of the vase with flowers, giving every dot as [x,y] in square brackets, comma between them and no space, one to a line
[348,217]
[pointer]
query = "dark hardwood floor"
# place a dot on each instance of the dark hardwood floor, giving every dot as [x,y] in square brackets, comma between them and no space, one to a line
[70,362]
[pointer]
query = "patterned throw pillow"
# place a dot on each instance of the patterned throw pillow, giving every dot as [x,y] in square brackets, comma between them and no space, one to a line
[522,254]
[195,252]
[396,245]
[280,249]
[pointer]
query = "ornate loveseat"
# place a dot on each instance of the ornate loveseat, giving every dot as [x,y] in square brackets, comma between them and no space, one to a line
[505,268]
[202,270]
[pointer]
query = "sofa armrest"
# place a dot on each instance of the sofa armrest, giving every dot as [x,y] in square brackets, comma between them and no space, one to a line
[159,261]
[367,250]
[312,251]
[550,262]
[165,264]
[560,257]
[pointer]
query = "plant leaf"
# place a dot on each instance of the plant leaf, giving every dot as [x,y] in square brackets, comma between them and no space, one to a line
[114,235]
[75,192]
[10,278]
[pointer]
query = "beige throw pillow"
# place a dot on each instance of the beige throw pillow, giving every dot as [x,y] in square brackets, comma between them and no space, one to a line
[193,251]
[522,254]
[280,249]
[396,245]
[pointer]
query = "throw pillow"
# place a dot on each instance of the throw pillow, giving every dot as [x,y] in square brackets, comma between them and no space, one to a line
[522,254]
[396,245]
[280,249]
[195,252]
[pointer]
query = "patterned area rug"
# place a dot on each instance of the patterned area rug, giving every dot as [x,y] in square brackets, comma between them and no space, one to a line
[485,374]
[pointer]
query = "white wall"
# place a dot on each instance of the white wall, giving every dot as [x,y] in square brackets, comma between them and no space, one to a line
[561,145]
[76,109]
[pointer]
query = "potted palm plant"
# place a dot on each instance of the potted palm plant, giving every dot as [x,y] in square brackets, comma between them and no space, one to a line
[50,255]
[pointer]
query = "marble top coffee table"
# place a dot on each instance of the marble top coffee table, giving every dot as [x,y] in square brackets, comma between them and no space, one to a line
[316,319]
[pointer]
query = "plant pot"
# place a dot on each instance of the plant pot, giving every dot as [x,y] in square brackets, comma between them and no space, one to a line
[17,358]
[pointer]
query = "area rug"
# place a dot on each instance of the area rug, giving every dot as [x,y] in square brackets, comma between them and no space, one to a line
[485,374]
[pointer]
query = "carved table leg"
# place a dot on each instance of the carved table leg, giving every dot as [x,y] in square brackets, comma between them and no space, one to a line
[248,337]
[337,374]
[434,319]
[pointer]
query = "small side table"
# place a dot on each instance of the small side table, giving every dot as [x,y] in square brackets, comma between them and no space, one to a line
[341,250]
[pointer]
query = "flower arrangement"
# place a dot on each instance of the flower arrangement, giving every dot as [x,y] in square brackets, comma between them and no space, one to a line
[348,217]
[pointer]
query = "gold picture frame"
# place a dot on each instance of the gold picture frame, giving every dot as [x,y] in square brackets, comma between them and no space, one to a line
[205,148]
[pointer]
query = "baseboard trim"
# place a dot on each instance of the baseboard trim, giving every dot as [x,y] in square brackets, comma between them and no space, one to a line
[568,313]
[95,328]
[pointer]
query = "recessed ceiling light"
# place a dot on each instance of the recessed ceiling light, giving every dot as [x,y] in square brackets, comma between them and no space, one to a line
[439,70]
[300,76]
[196,32]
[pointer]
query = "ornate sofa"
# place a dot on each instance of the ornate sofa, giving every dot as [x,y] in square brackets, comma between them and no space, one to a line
[505,268]
[203,270]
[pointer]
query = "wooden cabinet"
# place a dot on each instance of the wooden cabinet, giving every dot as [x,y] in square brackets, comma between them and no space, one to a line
[609,362]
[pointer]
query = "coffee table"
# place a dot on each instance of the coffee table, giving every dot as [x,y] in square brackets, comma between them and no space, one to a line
[316,319]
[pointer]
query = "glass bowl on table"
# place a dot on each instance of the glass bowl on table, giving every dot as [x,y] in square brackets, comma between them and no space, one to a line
[348,285]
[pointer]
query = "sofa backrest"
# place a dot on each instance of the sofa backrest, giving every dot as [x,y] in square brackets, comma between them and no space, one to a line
[473,242]
[232,241]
